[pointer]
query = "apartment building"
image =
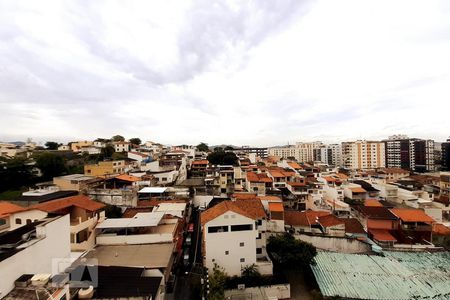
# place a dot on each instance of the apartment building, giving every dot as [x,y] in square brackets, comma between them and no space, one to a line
[329,154]
[121,146]
[363,155]
[104,168]
[230,233]
[445,153]
[409,153]
[302,152]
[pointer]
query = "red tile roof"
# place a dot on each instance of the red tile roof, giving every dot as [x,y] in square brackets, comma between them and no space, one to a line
[382,235]
[352,225]
[294,165]
[200,162]
[270,198]
[126,177]
[358,190]
[7,208]
[221,208]
[253,207]
[261,177]
[155,202]
[296,183]
[276,206]
[372,202]
[244,196]
[302,218]
[412,215]
[330,220]
[80,201]
[441,229]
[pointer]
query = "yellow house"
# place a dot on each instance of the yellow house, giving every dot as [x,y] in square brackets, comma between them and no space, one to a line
[76,146]
[104,168]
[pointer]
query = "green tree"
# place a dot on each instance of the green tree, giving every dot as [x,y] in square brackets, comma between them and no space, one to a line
[107,151]
[135,141]
[222,158]
[217,283]
[15,173]
[118,138]
[203,147]
[51,145]
[289,252]
[50,164]
[250,275]
[227,148]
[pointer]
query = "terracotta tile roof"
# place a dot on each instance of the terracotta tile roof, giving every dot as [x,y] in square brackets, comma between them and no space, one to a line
[342,176]
[138,153]
[253,207]
[221,208]
[294,165]
[126,177]
[80,201]
[244,196]
[358,190]
[302,218]
[132,211]
[329,178]
[270,198]
[412,215]
[382,235]
[330,220]
[374,212]
[276,173]
[7,208]
[296,183]
[372,202]
[276,206]
[200,162]
[352,225]
[261,177]
[441,229]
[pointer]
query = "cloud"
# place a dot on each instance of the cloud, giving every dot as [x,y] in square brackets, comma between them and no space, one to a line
[257,72]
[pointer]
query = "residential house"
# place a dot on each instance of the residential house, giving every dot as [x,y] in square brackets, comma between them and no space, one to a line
[105,168]
[415,225]
[14,216]
[84,214]
[33,249]
[75,182]
[121,146]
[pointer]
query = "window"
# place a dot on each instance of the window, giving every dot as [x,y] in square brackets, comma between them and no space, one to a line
[241,244]
[259,236]
[243,227]
[18,221]
[28,221]
[164,179]
[258,250]
[89,171]
[214,229]
[227,252]
[225,216]
[242,259]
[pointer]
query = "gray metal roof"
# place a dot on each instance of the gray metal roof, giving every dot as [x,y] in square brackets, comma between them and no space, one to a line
[398,275]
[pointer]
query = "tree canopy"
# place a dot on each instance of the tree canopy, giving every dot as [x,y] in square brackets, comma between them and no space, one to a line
[15,173]
[221,157]
[51,145]
[289,252]
[118,138]
[217,283]
[135,141]
[203,147]
[50,164]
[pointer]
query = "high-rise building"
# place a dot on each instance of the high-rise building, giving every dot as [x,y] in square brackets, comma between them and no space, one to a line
[445,162]
[363,155]
[302,152]
[329,154]
[410,153]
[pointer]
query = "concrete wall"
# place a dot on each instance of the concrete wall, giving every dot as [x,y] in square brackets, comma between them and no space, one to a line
[114,197]
[340,244]
[37,258]
[113,239]
[279,291]
[217,243]
[200,200]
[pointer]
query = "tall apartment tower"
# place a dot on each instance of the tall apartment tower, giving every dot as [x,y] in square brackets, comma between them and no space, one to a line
[329,154]
[363,155]
[302,152]
[445,147]
[410,153]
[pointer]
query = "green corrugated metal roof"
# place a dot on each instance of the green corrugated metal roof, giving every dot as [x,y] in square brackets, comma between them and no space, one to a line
[398,275]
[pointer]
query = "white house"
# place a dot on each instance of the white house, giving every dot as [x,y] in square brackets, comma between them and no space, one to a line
[121,146]
[36,247]
[14,216]
[230,236]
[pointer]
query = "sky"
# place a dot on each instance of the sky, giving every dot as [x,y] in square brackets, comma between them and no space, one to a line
[257,73]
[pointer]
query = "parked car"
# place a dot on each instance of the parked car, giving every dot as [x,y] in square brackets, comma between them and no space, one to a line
[186,257]
[191,227]
[188,239]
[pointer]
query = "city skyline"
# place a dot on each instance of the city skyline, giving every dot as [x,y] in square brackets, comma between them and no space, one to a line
[259,74]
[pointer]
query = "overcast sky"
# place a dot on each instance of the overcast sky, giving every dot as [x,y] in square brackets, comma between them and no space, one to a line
[237,72]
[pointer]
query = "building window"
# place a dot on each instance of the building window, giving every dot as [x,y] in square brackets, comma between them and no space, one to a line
[214,229]
[227,252]
[28,221]
[244,227]
[225,216]
[242,259]
[259,236]
[18,221]
[258,250]
[241,244]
